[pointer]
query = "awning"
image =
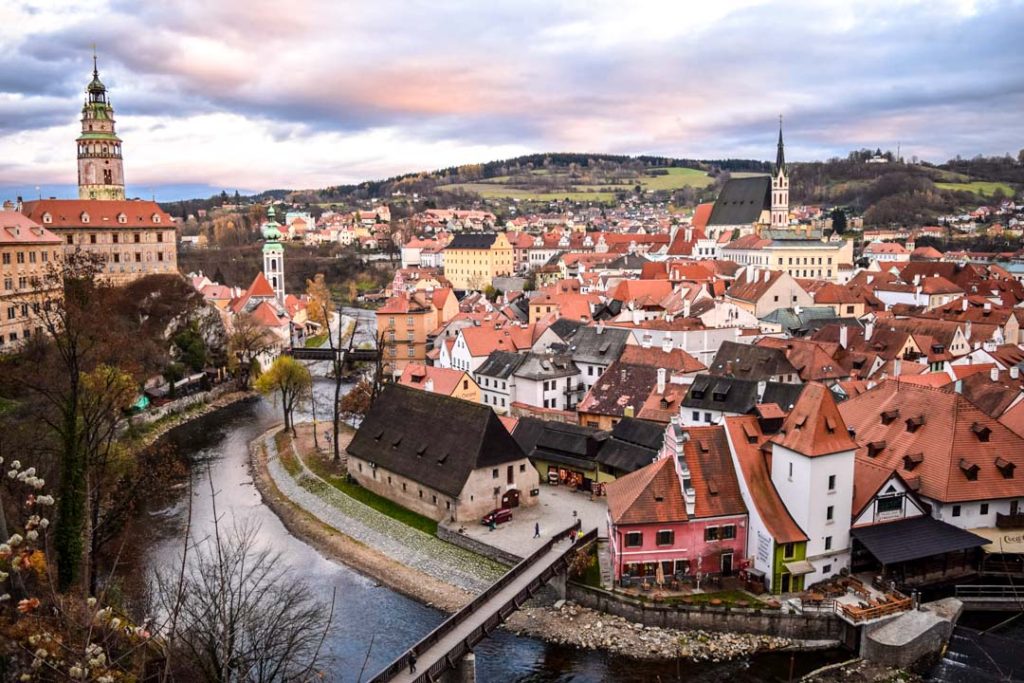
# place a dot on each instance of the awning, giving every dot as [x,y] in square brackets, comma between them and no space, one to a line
[914,538]
[1002,540]
[799,567]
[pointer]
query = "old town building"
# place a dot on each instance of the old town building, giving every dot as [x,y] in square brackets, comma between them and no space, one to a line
[26,251]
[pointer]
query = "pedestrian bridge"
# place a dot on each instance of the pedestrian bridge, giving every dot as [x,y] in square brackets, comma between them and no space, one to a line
[441,650]
[994,598]
[347,356]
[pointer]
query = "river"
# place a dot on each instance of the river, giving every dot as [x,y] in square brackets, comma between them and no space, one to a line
[372,623]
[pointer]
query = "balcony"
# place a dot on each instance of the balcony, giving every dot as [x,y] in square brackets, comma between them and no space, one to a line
[1012,521]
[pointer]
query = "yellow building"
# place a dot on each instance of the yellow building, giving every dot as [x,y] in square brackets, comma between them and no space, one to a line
[404,321]
[472,260]
[26,251]
[799,253]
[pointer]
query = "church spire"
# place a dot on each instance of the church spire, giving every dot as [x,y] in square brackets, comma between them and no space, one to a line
[780,156]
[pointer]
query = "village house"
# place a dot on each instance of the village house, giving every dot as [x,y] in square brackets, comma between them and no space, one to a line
[458,473]
[712,398]
[444,381]
[757,363]
[760,291]
[472,260]
[27,251]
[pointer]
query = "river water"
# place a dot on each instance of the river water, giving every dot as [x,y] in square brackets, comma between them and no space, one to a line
[373,624]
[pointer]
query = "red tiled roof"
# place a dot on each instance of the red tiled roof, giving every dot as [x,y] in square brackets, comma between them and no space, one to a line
[701,215]
[951,436]
[713,477]
[446,380]
[260,286]
[649,495]
[815,426]
[675,360]
[16,228]
[752,285]
[747,440]
[266,315]
[67,213]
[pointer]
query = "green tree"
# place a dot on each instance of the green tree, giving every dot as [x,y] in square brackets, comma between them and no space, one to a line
[191,348]
[838,221]
[289,382]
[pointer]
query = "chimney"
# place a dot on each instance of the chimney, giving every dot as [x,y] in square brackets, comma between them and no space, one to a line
[428,385]
[797,310]
[767,275]
[627,411]
[761,387]
[959,386]
[869,330]
[600,327]
[993,374]
[1014,372]
[897,367]
[686,308]
[666,343]
[917,279]
[988,305]
[689,234]
[844,336]
[661,381]
[963,304]
[637,314]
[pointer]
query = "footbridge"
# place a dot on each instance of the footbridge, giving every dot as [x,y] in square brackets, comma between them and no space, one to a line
[991,598]
[440,652]
[348,356]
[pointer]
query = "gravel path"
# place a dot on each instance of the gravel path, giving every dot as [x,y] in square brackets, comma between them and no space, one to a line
[400,542]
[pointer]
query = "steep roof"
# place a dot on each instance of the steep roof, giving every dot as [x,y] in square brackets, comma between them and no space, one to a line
[656,357]
[472,240]
[741,201]
[16,228]
[597,345]
[501,364]
[940,439]
[400,433]
[750,362]
[753,284]
[815,426]
[103,213]
[445,380]
[747,441]
[650,495]
[736,395]
[712,475]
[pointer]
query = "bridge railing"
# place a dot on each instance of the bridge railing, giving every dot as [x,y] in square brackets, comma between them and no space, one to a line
[990,592]
[452,657]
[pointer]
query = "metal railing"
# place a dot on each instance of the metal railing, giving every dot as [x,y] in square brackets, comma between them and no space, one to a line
[451,658]
[989,592]
[1010,521]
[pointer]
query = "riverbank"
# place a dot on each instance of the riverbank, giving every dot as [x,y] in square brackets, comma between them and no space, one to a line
[142,434]
[342,548]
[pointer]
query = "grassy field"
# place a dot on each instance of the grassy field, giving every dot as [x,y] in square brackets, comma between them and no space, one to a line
[316,341]
[500,187]
[981,188]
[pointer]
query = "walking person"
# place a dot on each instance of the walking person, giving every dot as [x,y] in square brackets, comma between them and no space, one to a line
[536,530]
[412,662]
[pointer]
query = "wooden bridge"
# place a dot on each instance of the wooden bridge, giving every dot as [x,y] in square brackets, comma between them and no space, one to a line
[441,650]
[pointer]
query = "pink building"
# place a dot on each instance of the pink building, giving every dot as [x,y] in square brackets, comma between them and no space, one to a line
[683,511]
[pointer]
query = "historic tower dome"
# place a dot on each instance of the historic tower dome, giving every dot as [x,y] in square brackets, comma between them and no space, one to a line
[273,254]
[100,168]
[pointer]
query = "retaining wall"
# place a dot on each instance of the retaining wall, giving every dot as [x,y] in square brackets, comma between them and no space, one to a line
[737,620]
[450,535]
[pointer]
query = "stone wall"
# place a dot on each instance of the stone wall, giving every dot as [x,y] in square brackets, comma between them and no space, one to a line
[451,535]
[912,637]
[774,622]
[178,405]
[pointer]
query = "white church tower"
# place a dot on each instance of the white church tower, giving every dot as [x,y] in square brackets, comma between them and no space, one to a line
[780,188]
[273,256]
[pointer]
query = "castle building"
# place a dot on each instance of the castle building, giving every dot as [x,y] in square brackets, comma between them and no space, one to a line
[133,237]
[27,250]
[100,166]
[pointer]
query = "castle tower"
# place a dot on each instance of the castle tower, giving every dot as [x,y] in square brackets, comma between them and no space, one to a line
[780,188]
[273,255]
[100,167]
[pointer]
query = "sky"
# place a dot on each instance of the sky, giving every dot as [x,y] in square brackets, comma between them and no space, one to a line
[260,94]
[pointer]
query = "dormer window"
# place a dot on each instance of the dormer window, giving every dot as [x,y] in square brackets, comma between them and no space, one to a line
[830,424]
[912,460]
[1005,467]
[121,218]
[750,433]
[915,423]
[84,217]
[969,469]
[156,218]
[47,218]
[889,416]
[981,431]
[875,447]
[800,421]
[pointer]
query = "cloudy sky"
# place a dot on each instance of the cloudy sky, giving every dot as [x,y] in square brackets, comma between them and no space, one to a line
[256,94]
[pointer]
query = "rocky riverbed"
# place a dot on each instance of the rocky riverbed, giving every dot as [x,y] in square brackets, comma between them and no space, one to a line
[568,623]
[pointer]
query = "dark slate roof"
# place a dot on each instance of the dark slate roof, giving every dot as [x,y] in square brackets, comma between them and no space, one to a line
[472,240]
[565,328]
[589,345]
[741,201]
[560,442]
[627,262]
[540,366]
[500,364]
[432,439]
[650,435]
[607,310]
[750,362]
[791,320]
[737,395]
[914,538]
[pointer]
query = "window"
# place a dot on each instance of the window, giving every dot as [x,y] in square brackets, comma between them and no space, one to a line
[634,539]
[789,551]
[711,533]
[956,510]
[497,490]
[92,239]
[20,257]
[138,258]
[831,482]
[890,504]
[827,569]
[666,537]
[159,237]
[696,416]
[31,257]
[791,471]
[707,417]
[984,508]
[828,543]
[728,532]
[70,239]
[830,513]
[7,259]
[137,237]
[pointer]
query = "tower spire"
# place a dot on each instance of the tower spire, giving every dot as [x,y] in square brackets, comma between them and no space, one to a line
[95,68]
[780,156]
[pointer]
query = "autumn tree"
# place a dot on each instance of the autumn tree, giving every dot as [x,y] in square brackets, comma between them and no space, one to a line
[247,341]
[289,382]
[318,307]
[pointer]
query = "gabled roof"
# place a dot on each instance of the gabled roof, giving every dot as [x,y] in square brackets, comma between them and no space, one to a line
[750,362]
[739,396]
[260,287]
[16,228]
[103,213]
[597,345]
[747,441]
[445,380]
[753,284]
[741,201]
[716,491]
[815,427]
[472,240]
[400,433]
[655,357]
[813,360]
[501,364]
[650,495]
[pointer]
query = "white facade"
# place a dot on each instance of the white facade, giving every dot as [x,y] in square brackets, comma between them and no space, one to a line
[462,359]
[701,344]
[546,393]
[496,393]
[974,514]
[818,492]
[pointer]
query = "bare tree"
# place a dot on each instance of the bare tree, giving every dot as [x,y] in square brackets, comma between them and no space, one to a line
[247,342]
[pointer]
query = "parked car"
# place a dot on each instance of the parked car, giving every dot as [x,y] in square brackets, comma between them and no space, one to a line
[499,516]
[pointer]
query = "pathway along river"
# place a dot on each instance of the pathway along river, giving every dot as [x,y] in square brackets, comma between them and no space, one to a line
[366,611]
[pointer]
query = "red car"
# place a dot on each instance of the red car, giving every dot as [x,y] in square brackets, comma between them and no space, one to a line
[499,516]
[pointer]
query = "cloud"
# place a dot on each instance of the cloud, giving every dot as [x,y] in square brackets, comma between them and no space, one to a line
[320,92]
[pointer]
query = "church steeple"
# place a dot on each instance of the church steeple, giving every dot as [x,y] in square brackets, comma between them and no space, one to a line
[780,156]
[780,187]
[100,165]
